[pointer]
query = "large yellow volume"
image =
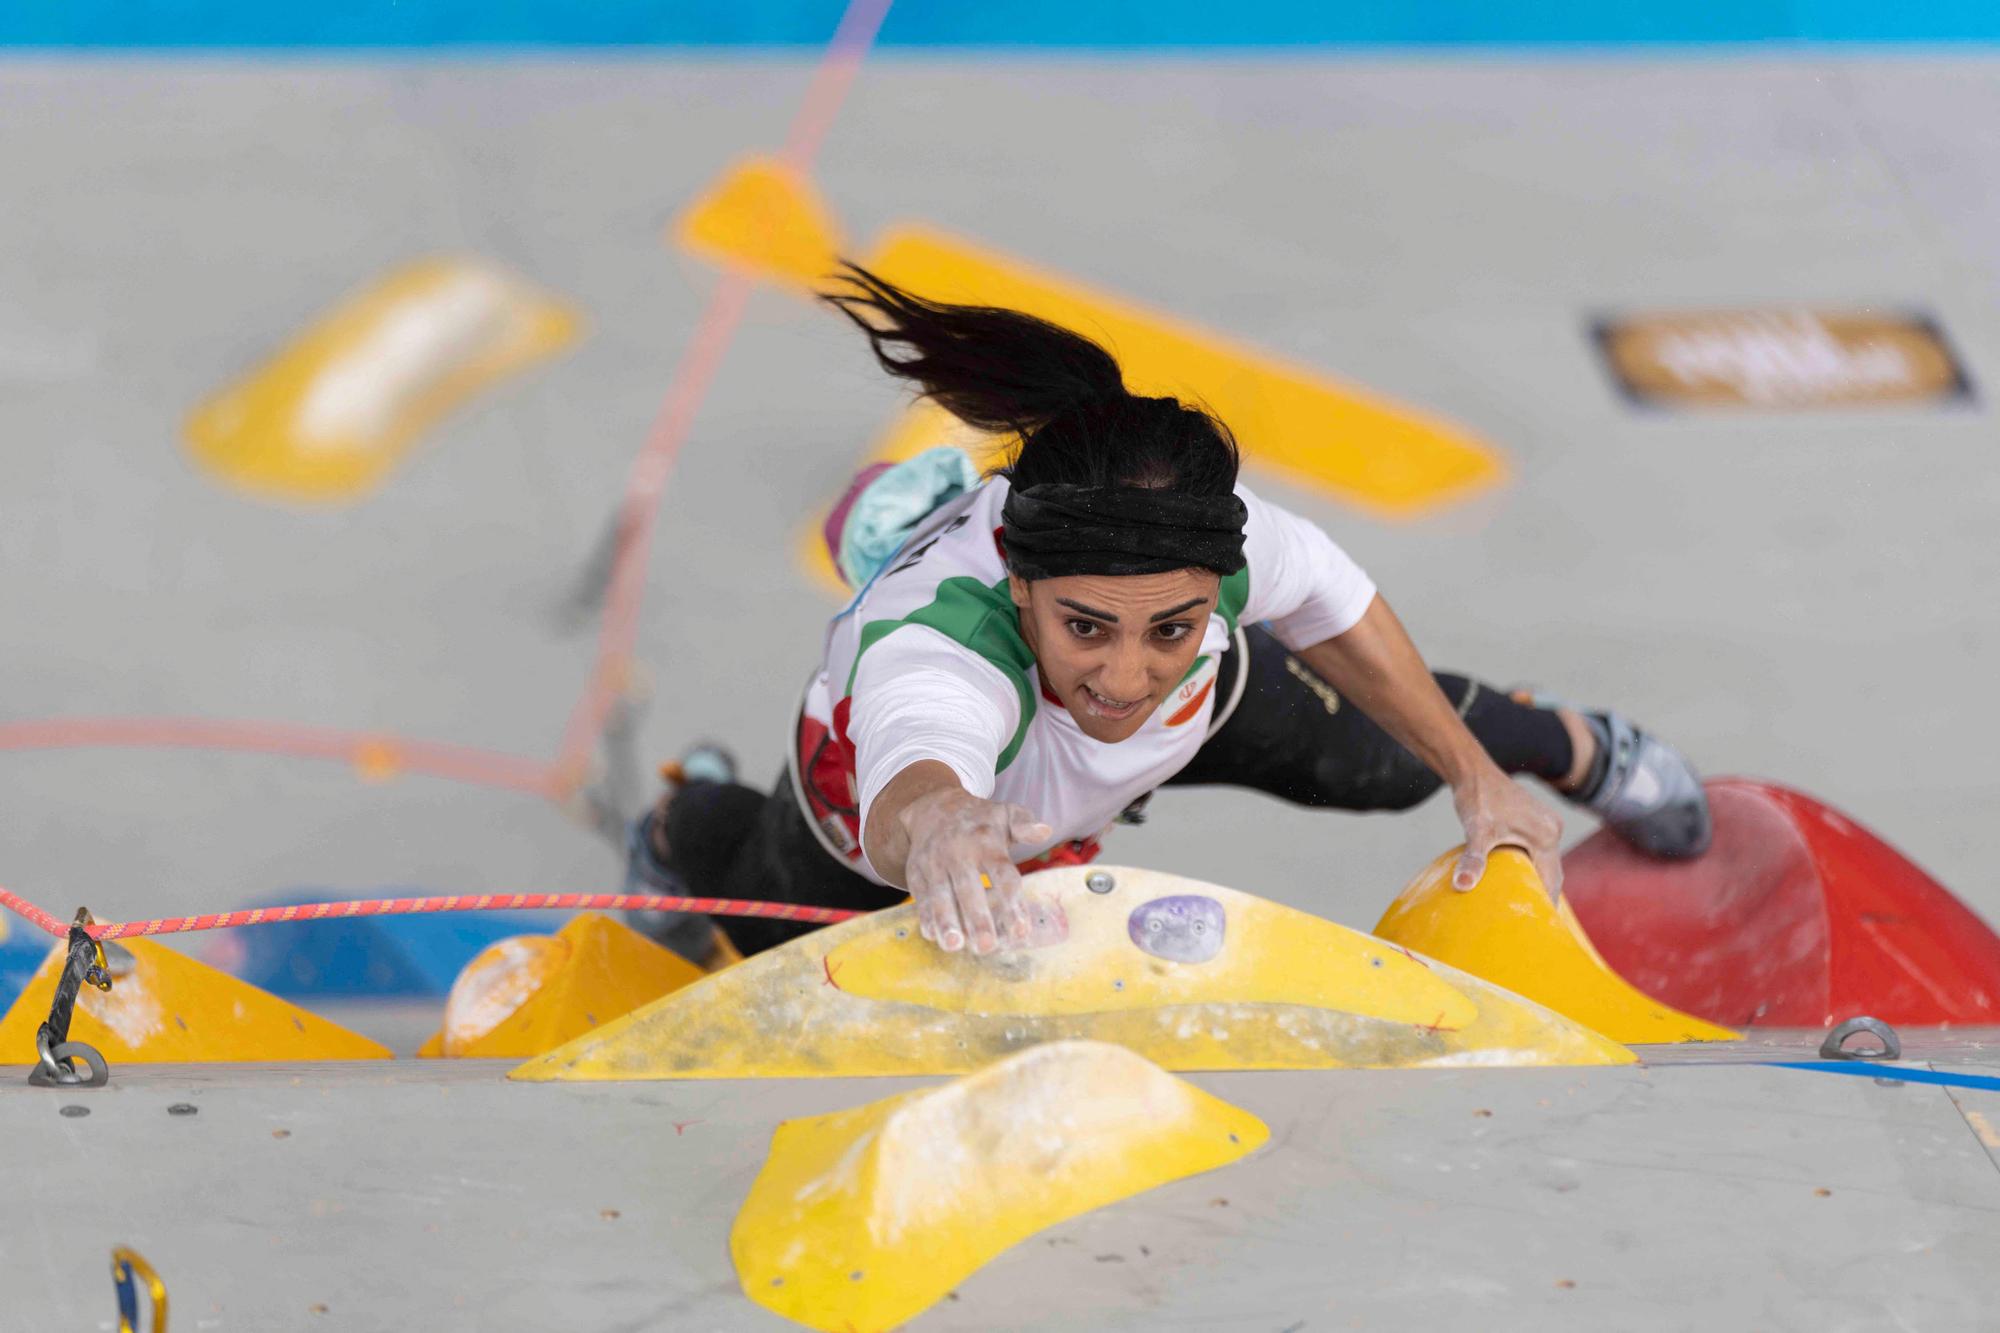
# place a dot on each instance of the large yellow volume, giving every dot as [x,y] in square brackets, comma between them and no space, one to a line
[1507,931]
[531,993]
[1189,975]
[328,416]
[863,1219]
[165,1007]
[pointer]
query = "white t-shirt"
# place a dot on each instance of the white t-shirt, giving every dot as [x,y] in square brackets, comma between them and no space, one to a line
[928,662]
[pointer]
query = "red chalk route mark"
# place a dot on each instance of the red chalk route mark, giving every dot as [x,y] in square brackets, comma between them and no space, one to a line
[1435,1026]
[1412,957]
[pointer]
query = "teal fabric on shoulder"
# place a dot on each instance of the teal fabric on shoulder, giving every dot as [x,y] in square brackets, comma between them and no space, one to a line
[893,504]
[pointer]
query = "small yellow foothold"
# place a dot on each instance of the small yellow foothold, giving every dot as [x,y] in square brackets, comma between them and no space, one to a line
[863,1219]
[531,993]
[1507,931]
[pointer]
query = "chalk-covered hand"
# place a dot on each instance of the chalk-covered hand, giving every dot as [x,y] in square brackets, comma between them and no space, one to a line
[958,848]
[1498,812]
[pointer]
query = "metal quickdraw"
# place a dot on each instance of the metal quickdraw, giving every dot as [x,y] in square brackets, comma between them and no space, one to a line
[128,1269]
[56,1055]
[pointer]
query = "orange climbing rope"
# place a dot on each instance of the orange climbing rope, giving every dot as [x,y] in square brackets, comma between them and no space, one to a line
[461,902]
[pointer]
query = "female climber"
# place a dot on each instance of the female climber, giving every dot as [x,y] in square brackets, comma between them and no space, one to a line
[1109,612]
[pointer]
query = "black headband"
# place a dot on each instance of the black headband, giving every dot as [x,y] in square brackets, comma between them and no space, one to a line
[1055,530]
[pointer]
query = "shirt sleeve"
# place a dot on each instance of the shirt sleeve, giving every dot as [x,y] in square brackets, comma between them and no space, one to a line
[1300,580]
[917,696]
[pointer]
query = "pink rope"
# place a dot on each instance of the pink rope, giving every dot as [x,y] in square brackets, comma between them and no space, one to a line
[462,902]
[617,633]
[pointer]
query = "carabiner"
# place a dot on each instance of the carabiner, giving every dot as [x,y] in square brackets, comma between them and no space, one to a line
[127,1266]
[55,1053]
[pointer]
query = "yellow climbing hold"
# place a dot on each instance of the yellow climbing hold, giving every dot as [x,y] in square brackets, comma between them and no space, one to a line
[1268,955]
[531,993]
[1380,455]
[1508,932]
[863,1219]
[1259,986]
[165,1007]
[331,414]
[764,217]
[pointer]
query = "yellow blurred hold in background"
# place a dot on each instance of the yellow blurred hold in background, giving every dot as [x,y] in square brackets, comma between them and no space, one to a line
[1383,457]
[329,416]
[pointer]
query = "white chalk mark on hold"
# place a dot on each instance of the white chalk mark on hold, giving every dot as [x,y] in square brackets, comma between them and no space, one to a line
[360,395]
[496,984]
[1495,1057]
[129,1008]
[1045,1112]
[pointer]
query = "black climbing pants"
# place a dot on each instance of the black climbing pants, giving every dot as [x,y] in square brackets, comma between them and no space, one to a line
[1290,735]
[1293,737]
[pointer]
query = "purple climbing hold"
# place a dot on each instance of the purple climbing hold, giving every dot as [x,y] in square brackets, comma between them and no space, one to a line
[1183,928]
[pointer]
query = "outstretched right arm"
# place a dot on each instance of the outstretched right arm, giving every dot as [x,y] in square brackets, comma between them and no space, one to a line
[928,723]
[927,834]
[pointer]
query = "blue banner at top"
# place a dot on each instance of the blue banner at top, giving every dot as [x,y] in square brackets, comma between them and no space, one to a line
[1017,24]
